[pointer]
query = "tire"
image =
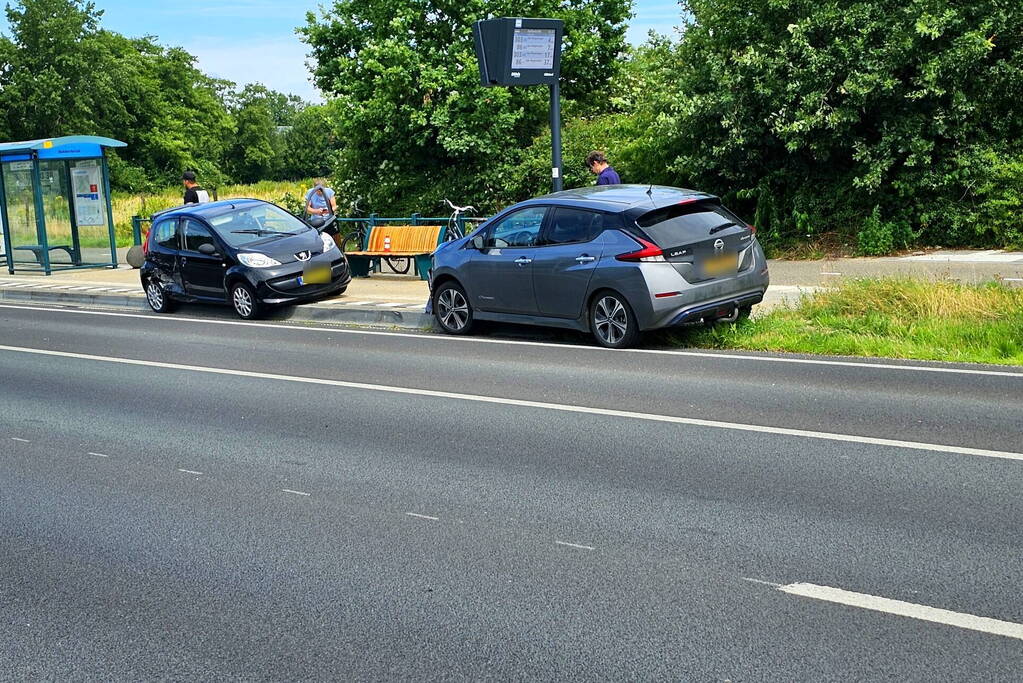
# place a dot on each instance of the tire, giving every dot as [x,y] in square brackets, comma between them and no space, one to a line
[351,242]
[244,302]
[452,310]
[612,321]
[157,297]
[400,264]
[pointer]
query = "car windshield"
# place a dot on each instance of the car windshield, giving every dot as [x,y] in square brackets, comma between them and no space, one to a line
[679,224]
[254,223]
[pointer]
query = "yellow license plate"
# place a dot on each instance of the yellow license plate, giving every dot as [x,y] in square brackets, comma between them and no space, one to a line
[719,265]
[316,275]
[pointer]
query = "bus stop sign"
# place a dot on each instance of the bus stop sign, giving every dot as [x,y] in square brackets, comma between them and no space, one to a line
[519,51]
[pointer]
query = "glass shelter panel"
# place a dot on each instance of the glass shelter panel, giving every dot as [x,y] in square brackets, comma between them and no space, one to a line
[90,206]
[60,235]
[21,211]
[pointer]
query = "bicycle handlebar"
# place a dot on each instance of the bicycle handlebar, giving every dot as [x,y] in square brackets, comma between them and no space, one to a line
[460,209]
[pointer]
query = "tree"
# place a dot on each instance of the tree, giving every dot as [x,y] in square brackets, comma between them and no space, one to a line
[414,123]
[823,111]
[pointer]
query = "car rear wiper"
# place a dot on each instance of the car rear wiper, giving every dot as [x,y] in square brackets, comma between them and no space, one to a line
[722,227]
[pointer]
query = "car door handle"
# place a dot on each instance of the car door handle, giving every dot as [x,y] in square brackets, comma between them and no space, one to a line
[585,259]
[523,260]
[184,260]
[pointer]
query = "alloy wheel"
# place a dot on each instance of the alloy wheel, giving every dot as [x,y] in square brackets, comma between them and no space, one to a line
[155,295]
[611,320]
[242,302]
[453,309]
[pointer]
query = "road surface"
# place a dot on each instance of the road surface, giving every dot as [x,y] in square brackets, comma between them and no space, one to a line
[189,498]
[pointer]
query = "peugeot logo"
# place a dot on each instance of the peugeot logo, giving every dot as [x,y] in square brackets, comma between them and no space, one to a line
[719,245]
[305,255]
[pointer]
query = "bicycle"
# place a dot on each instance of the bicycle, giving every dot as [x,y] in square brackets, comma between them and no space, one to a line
[454,231]
[354,240]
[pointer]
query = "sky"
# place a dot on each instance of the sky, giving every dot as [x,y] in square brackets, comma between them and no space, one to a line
[248,41]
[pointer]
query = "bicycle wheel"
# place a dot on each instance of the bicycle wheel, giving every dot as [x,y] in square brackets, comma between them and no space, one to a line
[399,264]
[351,242]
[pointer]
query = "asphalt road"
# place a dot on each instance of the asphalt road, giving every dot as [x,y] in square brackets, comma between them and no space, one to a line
[187,499]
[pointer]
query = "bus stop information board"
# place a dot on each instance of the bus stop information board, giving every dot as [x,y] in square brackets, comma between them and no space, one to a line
[533,48]
[521,51]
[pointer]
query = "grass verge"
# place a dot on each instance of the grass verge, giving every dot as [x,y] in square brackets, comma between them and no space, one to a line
[888,318]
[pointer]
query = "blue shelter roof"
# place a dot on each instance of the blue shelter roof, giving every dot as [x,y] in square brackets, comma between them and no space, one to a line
[55,143]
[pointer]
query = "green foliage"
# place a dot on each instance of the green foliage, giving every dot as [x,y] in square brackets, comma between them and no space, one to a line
[416,124]
[821,111]
[878,237]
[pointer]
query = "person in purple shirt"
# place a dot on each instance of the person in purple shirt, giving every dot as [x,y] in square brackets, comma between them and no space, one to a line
[606,175]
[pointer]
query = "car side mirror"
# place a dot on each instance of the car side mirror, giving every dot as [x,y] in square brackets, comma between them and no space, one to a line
[478,242]
[207,249]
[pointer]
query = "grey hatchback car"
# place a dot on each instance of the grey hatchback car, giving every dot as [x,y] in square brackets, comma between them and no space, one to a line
[615,260]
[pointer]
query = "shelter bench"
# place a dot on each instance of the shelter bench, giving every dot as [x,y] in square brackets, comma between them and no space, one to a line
[37,251]
[416,242]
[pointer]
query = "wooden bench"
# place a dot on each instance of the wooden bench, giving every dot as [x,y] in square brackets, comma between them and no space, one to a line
[37,250]
[416,242]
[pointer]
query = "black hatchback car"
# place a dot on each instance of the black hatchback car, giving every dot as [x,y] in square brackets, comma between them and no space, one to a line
[244,252]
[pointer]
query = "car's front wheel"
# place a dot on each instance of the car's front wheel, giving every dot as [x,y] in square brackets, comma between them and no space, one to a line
[612,321]
[157,297]
[244,301]
[452,310]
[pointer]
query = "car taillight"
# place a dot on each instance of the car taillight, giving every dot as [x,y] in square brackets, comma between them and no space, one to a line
[648,254]
[753,229]
[145,244]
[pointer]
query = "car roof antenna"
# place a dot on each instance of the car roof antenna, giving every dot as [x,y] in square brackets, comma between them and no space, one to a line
[650,191]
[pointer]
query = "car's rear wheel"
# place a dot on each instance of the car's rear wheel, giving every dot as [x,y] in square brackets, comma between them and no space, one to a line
[452,310]
[244,302]
[157,297]
[612,321]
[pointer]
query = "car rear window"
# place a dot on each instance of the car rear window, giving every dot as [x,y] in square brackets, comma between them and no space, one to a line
[674,225]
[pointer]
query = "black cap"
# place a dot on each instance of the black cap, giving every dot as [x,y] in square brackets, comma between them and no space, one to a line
[189,176]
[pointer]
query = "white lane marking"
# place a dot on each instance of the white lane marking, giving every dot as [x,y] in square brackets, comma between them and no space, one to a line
[297,493]
[515,342]
[98,455]
[830,273]
[1012,279]
[762,583]
[349,303]
[189,471]
[390,305]
[14,438]
[906,609]
[575,545]
[560,407]
[413,514]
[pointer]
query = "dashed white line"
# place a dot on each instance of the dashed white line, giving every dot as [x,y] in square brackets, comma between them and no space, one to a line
[830,273]
[98,455]
[14,438]
[297,493]
[390,305]
[189,471]
[575,545]
[413,514]
[906,609]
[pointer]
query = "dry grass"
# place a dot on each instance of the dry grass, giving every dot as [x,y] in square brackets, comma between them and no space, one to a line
[893,318]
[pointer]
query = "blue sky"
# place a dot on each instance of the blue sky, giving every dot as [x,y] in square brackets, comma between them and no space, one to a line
[254,40]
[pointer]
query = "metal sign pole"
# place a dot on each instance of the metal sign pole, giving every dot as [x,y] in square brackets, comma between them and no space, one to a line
[556,170]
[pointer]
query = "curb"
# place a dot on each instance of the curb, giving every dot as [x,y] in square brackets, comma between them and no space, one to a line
[369,317]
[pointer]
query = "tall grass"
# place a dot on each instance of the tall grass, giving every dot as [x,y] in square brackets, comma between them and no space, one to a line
[126,205]
[894,318]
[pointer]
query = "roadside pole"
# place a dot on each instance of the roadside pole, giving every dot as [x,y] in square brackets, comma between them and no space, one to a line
[556,169]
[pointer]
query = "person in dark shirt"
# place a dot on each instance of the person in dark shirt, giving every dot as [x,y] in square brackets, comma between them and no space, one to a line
[193,193]
[606,175]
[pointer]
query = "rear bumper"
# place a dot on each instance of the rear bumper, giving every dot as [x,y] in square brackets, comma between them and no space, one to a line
[716,309]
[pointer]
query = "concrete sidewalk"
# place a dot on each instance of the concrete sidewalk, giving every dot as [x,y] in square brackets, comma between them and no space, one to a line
[400,301]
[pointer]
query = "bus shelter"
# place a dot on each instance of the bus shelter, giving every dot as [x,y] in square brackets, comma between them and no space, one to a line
[55,204]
